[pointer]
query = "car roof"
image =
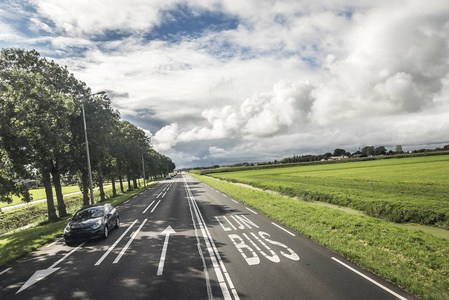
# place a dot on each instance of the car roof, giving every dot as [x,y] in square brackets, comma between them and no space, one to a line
[93,205]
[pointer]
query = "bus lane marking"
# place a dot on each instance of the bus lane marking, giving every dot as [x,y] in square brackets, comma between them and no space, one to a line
[254,242]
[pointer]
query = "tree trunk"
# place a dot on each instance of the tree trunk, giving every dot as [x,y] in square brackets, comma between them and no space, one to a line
[114,190]
[130,187]
[121,186]
[135,183]
[85,184]
[60,198]
[49,192]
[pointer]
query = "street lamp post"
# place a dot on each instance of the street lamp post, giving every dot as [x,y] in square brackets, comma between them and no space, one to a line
[87,150]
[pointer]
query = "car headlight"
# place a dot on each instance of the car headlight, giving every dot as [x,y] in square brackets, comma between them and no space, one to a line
[97,224]
[67,229]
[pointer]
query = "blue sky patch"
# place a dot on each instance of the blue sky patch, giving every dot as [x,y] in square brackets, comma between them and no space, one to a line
[185,22]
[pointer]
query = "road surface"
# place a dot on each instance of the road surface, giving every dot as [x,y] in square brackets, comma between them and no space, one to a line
[181,239]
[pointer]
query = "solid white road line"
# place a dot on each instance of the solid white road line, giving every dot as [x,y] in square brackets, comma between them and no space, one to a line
[214,255]
[282,228]
[200,251]
[369,279]
[115,244]
[129,242]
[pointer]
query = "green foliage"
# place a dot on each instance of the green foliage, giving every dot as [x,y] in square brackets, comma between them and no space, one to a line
[401,190]
[42,130]
[410,258]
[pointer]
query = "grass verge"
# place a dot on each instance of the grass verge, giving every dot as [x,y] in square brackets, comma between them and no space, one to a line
[409,258]
[19,243]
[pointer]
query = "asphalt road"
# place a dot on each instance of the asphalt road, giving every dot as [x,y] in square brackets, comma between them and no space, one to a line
[182,239]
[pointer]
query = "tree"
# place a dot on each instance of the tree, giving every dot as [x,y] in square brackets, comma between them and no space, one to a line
[339,152]
[380,150]
[368,150]
[9,186]
[398,149]
[36,117]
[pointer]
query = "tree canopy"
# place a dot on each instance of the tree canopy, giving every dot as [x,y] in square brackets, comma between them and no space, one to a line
[42,133]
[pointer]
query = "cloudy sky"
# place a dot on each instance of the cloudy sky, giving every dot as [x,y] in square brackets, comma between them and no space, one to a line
[225,81]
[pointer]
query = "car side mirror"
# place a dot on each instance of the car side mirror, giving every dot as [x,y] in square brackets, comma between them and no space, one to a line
[108,216]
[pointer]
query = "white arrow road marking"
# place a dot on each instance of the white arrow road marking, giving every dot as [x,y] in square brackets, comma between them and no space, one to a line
[41,274]
[167,233]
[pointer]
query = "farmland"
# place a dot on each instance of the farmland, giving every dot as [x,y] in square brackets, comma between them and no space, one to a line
[411,189]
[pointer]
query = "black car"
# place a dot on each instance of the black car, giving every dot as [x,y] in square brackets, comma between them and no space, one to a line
[90,222]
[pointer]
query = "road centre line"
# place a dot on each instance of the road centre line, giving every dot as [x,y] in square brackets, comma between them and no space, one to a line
[251,211]
[369,279]
[214,255]
[148,207]
[213,259]
[159,194]
[155,206]
[129,242]
[115,244]
[200,251]
[282,228]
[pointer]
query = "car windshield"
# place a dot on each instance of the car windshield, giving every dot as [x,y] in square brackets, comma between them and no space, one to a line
[89,213]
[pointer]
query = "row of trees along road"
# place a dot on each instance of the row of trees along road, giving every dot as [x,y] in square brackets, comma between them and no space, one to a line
[42,133]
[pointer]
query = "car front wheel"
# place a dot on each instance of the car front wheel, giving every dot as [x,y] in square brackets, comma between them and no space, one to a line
[106,232]
[117,222]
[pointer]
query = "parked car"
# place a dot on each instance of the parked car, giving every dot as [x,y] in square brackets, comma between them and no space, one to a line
[91,222]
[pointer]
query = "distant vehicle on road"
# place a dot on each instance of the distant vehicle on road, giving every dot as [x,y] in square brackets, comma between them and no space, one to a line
[91,222]
[168,177]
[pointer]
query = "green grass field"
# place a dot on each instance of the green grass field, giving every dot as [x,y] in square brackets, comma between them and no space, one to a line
[39,194]
[401,190]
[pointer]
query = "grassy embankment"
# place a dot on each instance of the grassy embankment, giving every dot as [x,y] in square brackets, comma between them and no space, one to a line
[19,243]
[39,194]
[415,260]
[399,190]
